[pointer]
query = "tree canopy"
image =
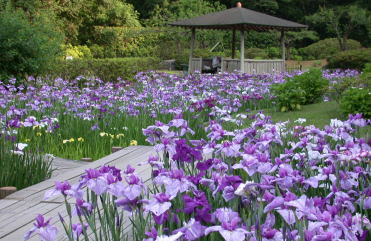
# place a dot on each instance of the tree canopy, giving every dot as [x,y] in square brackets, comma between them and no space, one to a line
[124,28]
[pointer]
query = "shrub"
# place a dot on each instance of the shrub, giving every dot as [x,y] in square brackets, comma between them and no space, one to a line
[289,95]
[274,52]
[77,52]
[351,59]
[307,88]
[326,48]
[356,100]
[105,69]
[27,48]
[313,84]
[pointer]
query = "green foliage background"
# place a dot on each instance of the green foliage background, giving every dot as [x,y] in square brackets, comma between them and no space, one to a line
[131,28]
[27,47]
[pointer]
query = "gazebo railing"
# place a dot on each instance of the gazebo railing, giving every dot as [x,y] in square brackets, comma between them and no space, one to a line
[254,66]
[196,65]
[251,66]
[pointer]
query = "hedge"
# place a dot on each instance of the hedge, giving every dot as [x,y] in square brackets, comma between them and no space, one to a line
[105,69]
[351,59]
[326,48]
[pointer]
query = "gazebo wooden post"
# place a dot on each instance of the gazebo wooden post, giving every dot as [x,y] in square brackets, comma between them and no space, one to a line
[283,45]
[234,44]
[193,39]
[242,51]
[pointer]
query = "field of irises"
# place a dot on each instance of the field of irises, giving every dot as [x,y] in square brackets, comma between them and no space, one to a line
[85,118]
[221,173]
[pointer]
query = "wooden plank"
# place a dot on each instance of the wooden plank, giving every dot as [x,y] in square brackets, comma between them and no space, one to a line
[6,202]
[20,220]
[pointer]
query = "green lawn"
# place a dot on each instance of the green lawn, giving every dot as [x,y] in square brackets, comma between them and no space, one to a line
[318,114]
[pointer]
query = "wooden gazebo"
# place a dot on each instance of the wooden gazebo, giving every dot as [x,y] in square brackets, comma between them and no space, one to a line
[240,19]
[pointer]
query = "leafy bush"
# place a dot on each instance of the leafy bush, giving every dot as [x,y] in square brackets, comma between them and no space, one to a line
[274,52]
[303,89]
[314,85]
[105,69]
[27,48]
[326,48]
[351,59]
[289,95]
[112,42]
[77,52]
[356,100]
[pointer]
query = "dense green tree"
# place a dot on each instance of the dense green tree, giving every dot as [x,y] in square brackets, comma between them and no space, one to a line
[297,38]
[341,21]
[105,13]
[146,7]
[171,11]
[27,48]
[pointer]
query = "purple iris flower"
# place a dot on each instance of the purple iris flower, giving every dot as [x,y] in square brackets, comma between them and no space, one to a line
[198,205]
[64,188]
[186,153]
[229,149]
[99,185]
[275,203]
[78,229]
[45,231]
[127,204]
[175,182]
[229,228]
[192,230]
[151,234]
[205,165]
[81,206]
[161,219]
[159,204]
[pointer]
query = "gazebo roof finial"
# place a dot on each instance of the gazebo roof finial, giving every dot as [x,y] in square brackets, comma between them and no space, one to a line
[239,5]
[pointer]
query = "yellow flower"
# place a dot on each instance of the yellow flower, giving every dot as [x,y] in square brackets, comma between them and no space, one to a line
[133,143]
[39,134]
[72,140]
[80,139]
[112,136]
[103,134]
[27,140]
[34,127]
[119,135]
[65,141]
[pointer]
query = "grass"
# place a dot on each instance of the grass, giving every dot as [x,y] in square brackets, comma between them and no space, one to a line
[318,114]
[176,72]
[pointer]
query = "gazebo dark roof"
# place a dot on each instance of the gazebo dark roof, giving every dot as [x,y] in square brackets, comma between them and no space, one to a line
[240,19]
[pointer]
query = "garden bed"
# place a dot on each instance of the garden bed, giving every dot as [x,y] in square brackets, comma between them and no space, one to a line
[219,167]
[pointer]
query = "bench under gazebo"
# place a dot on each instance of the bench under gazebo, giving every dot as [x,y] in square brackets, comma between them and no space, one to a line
[242,20]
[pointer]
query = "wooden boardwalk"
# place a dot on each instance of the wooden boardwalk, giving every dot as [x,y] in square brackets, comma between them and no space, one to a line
[18,211]
[61,166]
